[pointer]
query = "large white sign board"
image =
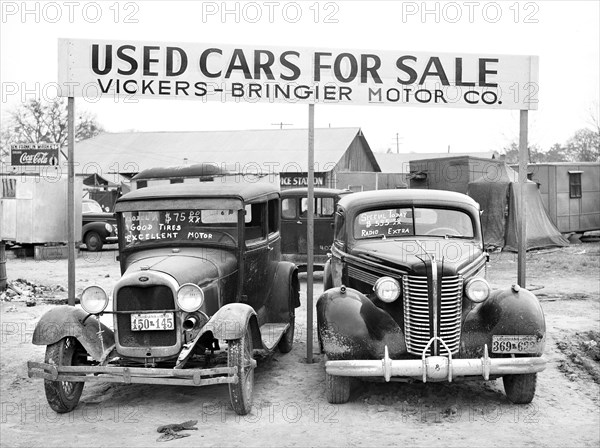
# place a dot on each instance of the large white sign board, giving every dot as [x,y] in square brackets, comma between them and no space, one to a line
[215,72]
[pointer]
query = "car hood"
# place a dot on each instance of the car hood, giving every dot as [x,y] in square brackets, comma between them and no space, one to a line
[411,256]
[104,217]
[187,265]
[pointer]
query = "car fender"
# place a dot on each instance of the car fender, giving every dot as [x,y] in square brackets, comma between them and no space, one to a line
[96,226]
[510,311]
[64,321]
[351,326]
[230,322]
[286,275]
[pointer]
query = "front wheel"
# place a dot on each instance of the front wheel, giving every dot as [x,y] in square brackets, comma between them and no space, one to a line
[93,241]
[520,389]
[240,357]
[337,388]
[63,396]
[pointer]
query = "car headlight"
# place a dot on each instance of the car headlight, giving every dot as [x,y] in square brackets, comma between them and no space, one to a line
[190,297]
[94,300]
[477,289]
[108,227]
[387,289]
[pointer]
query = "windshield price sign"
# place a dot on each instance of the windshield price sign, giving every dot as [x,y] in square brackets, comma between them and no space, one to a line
[34,154]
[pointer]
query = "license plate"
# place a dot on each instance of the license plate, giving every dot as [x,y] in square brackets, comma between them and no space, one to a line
[515,344]
[152,321]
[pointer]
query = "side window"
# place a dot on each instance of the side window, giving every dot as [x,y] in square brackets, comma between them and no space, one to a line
[255,226]
[575,184]
[142,184]
[9,188]
[177,180]
[273,224]
[323,207]
[289,208]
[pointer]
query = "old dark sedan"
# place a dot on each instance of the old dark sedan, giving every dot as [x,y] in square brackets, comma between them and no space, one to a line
[98,227]
[203,290]
[406,298]
[294,219]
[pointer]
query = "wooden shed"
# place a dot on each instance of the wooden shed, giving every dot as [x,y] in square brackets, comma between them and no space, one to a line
[453,173]
[275,155]
[570,192]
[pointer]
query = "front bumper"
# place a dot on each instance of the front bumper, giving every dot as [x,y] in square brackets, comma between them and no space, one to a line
[129,375]
[112,239]
[436,368]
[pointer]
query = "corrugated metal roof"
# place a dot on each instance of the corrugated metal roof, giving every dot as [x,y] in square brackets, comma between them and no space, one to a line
[271,150]
[400,163]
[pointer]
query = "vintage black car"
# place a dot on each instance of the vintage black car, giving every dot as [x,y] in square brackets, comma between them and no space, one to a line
[202,292]
[294,206]
[98,227]
[406,298]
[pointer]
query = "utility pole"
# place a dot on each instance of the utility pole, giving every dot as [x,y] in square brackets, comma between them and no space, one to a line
[398,143]
[282,124]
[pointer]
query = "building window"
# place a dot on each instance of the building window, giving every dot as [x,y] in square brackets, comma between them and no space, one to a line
[575,184]
[9,188]
[142,184]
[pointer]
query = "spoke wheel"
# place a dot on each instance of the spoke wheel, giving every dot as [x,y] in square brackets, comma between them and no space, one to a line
[240,357]
[63,396]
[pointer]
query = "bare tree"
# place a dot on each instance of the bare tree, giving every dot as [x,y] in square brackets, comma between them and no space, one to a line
[43,122]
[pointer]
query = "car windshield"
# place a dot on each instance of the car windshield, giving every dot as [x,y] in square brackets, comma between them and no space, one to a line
[413,221]
[91,207]
[215,226]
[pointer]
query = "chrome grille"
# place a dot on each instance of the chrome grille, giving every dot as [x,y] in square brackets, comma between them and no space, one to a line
[361,275]
[417,326]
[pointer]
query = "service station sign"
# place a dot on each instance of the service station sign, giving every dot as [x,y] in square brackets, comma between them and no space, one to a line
[243,73]
[34,154]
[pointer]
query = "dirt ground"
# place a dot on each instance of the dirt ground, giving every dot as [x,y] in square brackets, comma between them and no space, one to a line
[290,407]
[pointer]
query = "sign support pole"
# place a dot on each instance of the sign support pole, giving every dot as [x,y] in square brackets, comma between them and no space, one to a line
[310,233]
[71,200]
[522,209]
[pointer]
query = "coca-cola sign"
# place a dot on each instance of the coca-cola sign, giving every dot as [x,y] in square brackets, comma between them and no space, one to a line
[34,154]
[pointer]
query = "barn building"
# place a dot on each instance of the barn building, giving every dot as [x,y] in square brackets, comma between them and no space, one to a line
[279,156]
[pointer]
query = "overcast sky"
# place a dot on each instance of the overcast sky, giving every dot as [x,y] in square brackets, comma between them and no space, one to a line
[564,34]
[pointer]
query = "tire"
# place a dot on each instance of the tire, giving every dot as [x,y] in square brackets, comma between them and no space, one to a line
[62,396]
[520,389]
[287,340]
[93,241]
[240,357]
[327,278]
[337,388]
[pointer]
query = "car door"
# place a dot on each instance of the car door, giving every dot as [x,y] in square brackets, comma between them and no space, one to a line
[323,223]
[291,227]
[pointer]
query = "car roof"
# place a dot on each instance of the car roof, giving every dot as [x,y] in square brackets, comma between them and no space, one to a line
[243,191]
[411,196]
[304,191]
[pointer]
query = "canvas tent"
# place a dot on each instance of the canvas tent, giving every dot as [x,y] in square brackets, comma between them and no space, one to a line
[498,196]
